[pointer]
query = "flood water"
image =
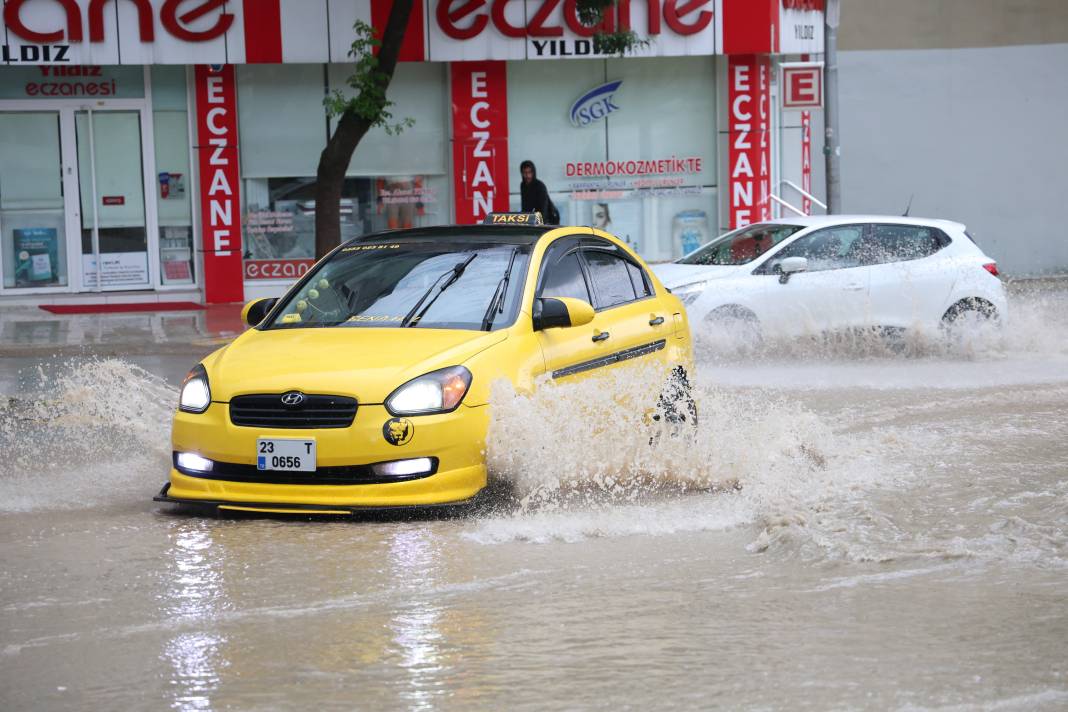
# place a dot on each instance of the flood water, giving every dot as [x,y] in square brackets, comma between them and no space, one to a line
[851,527]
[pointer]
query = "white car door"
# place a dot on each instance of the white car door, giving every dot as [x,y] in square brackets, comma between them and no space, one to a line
[910,280]
[830,295]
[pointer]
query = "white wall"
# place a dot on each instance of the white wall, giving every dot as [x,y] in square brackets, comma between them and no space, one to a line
[977,135]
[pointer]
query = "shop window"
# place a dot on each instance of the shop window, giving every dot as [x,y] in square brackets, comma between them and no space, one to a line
[170,127]
[393,181]
[279,224]
[418,92]
[281,119]
[32,217]
[643,169]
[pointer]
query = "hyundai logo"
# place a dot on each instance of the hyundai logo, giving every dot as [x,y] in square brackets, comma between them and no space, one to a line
[292,399]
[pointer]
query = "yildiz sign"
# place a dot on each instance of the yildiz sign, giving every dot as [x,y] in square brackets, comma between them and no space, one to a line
[595,104]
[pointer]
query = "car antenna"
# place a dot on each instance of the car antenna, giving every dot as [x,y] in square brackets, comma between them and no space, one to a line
[908,207]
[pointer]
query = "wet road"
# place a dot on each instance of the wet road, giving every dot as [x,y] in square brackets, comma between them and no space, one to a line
[849,530]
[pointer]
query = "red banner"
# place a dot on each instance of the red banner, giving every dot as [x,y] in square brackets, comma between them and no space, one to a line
[479,139]
[290,269]
[220,205]
[806,160]
[749,183]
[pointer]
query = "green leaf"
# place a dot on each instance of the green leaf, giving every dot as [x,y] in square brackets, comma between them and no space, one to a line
[369,101]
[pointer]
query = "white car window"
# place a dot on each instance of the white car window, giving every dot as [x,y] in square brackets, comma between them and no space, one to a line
[900,243]
[741,246]
[829,248]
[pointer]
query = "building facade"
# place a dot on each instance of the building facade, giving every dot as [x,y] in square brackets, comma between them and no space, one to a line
[959,107]
[166,149]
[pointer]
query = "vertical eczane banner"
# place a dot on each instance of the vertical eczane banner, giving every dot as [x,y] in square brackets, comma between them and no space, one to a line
[220,205]
[479,139]
[749,154]
[806,160]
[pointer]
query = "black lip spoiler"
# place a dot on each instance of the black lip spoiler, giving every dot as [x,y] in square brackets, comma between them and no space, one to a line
[221,507]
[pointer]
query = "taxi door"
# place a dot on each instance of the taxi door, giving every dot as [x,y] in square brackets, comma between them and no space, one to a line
[630,323]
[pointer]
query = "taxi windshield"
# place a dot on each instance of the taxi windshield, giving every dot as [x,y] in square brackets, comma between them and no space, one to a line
[432,284]
[740,246]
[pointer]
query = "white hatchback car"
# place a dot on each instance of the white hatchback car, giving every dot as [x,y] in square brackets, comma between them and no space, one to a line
[817,274]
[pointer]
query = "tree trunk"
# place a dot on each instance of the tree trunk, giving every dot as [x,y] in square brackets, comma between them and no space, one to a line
[350,129]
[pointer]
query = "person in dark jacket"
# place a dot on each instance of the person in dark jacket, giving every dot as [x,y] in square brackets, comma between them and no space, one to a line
[535,196]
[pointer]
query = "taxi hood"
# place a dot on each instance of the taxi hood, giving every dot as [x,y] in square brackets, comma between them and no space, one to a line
[361,362]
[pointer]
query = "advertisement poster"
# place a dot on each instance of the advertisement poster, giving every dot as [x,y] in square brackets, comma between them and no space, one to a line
[622,218]
[36,256]
[119,269]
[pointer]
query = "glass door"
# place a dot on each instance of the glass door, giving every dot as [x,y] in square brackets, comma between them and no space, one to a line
[33,215]
[111,186]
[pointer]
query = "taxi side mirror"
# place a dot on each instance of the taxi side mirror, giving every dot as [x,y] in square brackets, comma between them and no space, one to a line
[255,310]
[552,312]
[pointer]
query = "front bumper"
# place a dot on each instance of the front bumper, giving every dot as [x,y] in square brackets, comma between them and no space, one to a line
[217,507]
[454,440]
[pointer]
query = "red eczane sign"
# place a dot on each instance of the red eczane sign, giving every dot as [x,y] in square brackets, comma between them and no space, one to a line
[480,139]
[277,269]
[802,85]
[806,160]
[465,19]
[174,15]
[220,212]
[750,154]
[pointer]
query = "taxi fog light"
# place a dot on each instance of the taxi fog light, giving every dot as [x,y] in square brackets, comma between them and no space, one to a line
[192,461]
[401,468]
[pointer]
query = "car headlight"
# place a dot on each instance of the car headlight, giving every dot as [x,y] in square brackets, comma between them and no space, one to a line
[439,391]
[195,395]
[689,293]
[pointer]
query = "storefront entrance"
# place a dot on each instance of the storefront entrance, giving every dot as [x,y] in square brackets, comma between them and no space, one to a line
[77,197]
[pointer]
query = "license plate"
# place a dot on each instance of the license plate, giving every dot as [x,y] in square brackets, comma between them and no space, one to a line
[292,454]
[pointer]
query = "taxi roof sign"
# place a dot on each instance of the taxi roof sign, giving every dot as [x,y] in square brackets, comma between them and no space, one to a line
[513,219]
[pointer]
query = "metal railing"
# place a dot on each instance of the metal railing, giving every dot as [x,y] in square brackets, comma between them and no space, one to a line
[804,193]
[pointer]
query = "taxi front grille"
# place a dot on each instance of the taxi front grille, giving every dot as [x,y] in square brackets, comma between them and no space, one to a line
[315,411]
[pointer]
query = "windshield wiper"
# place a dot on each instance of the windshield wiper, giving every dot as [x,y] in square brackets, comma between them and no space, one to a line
[415,314]
[496,305]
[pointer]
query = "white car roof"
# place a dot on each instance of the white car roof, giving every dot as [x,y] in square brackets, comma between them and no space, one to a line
[831,220]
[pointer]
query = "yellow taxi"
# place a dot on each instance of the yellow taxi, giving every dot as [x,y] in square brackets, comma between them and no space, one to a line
[368,384]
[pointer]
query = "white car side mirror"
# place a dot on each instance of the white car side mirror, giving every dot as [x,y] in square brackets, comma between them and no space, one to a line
[791,265]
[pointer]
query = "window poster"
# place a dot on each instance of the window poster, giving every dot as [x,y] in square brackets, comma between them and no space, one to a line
[36,256]
[117,269]
[622,218]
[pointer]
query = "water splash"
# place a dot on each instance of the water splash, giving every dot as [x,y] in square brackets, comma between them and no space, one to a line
[1036,323]
[586,459]
[90,430]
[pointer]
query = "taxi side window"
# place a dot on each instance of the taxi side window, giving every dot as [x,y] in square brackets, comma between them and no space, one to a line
[611,279]
[638,278]
[564,277]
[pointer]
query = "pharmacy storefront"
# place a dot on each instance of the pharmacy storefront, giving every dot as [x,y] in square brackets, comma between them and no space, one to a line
[164,150]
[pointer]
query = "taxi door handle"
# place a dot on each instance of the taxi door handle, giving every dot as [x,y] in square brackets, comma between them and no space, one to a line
[656,321]
[601,336]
